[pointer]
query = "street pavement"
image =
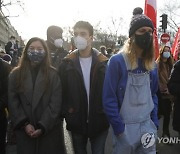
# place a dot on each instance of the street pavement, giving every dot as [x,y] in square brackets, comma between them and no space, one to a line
[161,147]
[168,148]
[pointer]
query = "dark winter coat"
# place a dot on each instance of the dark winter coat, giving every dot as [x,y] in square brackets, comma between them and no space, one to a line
[39,106]
[9,48]
[58,56]
[174,89]
[75,104]
[4,71]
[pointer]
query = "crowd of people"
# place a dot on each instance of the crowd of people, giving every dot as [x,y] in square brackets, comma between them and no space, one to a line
[93,91]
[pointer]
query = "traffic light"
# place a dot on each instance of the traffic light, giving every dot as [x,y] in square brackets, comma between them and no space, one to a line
[164,21]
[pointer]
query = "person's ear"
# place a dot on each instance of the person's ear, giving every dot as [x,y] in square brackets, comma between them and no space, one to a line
[91,37]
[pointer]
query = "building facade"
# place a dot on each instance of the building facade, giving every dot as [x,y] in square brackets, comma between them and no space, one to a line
[7,30]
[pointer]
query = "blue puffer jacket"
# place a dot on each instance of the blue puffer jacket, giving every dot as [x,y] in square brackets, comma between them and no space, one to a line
[114,90]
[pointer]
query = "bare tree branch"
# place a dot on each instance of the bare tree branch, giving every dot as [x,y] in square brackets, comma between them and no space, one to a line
[172,9]
[173,22]
[172,26]
[16,2]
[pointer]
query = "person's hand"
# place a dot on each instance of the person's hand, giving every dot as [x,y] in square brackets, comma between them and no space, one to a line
[29,129]
[166,92]
[36,133]
[119,135]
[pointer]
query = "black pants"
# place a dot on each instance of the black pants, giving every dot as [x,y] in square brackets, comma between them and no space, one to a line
[3,127]
[176,115]
[97,143]
[166,110]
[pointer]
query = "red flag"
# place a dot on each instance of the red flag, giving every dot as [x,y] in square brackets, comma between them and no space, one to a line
[151,11]
[176,45]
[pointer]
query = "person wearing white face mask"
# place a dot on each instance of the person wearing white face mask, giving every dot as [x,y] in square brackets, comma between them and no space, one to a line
[82,75]
[165,63]
[55,45]
[57,52]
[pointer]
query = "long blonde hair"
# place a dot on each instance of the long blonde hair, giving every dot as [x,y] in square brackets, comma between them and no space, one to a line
[130,48]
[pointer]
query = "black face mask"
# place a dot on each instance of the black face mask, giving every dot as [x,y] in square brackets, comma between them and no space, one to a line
[143,41]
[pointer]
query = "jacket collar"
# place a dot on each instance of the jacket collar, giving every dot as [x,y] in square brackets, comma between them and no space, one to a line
[96,56]
[34,95]
[73,58]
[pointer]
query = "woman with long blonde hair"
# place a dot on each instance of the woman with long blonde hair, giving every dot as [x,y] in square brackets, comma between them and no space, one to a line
[130,86]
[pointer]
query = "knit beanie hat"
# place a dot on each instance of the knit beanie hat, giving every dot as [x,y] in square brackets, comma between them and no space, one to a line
[139,20]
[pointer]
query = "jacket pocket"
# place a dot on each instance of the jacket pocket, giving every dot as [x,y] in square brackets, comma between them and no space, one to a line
[99,120]
[73,120]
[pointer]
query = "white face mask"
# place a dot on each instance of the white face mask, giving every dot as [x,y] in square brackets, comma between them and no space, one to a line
[58,43]
[166,54]
[80,43]
[13,41]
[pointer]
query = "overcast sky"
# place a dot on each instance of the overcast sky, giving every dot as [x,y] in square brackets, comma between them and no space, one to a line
[39,14]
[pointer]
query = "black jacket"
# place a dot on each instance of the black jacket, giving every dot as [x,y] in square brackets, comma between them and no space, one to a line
[58,56]
[75,104]
[4,72]
[174,89]
[8,48]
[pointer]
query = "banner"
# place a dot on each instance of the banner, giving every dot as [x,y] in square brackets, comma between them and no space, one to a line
[151,11]
[176,45]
